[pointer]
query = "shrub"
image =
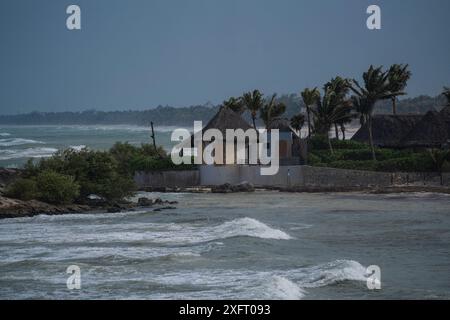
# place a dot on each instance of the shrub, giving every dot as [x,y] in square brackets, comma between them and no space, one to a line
[413,163]
[23,189]
[144,163]
[320,142]
[56,188]
[313,159]
[96,172]
[368,165]
[348,144]
[326,156]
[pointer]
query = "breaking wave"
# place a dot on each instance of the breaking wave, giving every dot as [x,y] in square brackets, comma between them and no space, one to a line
[5,134]
[284,289]
[249,227]
[78,148]
[17,142]
[27,153]
[247,284]
[160,233]
[329,273]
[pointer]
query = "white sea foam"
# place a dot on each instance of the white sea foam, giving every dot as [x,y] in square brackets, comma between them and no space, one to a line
[247,284]
[329,273]
[17,142]
[249,227]
[161,233]
[27,153]
[129,128]
[284,289]
[5,134]
[78,148]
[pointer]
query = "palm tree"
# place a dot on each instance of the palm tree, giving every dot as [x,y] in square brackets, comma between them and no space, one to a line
[254,102]
[331,108]
[398,78]
[271,109]
[376,87]
[235,104]
[446,93]
[439,157]
[346,119]
[309,98]
[297,122]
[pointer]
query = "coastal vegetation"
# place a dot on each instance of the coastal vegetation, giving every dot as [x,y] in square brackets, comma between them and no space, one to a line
[73,175]
[378,85]
[185,116]
[354,155]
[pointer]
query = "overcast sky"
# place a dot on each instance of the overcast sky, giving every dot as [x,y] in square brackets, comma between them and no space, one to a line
[137,54]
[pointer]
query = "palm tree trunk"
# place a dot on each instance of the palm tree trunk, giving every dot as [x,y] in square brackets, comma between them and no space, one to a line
[336,131]
[254,123]
[394,105]
[343,132]
[309,121]
[371,137]
[329,143]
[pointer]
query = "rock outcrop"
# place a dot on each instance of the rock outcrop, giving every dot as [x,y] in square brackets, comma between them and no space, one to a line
[229,188]
[14,208]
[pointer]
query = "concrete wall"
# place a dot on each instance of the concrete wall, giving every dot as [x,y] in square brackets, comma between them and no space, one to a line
[217,175]
[187,178]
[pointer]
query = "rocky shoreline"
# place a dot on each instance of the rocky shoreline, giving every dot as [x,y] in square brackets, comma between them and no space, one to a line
[13,208]
[245,187]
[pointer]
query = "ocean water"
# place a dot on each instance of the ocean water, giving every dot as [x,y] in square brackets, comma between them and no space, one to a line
[264,245]
[19,143]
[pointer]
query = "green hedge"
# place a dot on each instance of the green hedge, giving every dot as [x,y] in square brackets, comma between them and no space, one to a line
[158,164]
[321,143]
[414,163]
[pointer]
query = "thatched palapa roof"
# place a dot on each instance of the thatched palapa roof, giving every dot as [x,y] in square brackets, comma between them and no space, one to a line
[226,118]
[432,131]
[387,130]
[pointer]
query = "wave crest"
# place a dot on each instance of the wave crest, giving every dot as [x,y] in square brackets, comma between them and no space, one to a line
[27,153]
[251,228]
[17,142]
[331,273]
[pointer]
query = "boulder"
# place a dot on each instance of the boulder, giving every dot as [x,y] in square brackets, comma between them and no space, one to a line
[243,187]
[228,188]
[224,188]
[145,202]
[113,210]
[94,200]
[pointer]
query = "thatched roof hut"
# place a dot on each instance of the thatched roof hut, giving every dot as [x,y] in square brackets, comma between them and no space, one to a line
[432,131]
[445,113]
[225,119]
[387,130]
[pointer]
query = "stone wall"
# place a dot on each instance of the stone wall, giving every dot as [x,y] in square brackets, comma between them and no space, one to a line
[321,177]
[287,176]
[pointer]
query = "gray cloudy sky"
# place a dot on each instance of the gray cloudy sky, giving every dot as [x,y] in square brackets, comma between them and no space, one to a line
[141,53]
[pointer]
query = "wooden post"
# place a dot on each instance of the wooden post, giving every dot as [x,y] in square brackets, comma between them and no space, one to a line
[153,136]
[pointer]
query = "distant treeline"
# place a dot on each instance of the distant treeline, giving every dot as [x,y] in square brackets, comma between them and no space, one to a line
[186,115]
